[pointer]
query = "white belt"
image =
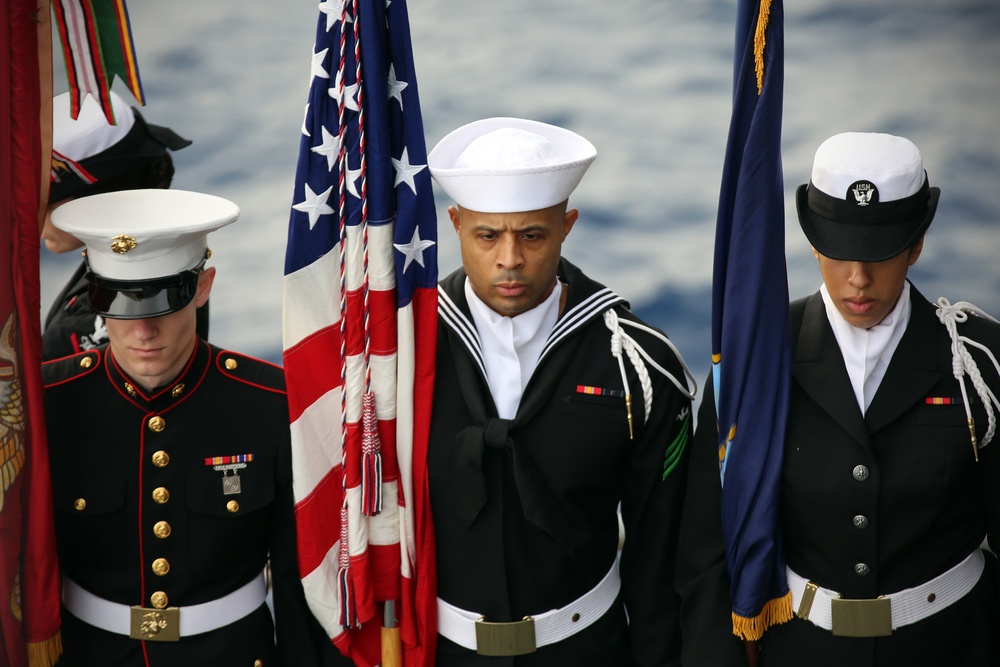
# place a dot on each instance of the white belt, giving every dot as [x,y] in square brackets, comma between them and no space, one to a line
[471,630]
[880,616]
[163,624]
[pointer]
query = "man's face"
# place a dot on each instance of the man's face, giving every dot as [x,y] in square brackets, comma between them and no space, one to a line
[511,258]
[865,292]
[154,351]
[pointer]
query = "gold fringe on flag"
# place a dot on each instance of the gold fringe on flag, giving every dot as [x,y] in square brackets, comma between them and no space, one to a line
[778,610]
[759,42]
[46,653]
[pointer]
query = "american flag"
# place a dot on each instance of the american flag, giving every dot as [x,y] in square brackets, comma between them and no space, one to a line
[359,327]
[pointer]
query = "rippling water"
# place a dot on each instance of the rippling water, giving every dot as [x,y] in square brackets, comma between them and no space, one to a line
[647,81]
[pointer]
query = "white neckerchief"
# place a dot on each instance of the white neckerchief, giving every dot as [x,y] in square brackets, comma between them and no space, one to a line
[867,351]
[511,345]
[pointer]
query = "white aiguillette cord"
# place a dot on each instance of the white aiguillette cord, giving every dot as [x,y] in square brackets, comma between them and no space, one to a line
[621,341]
[963,364]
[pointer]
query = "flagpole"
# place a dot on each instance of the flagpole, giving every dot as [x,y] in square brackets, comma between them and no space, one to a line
[392,644]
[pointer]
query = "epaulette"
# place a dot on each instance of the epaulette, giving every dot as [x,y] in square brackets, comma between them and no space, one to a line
[250,370]
[75,366]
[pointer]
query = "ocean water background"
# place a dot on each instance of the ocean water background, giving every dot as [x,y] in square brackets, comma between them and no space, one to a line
[647,81]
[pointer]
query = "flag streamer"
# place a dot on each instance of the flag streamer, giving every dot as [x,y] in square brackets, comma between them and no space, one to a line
[96,37]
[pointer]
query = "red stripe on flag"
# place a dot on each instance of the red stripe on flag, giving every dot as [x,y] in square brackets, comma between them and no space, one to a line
[381,322]
[385,571]
[387,435]
[308,363]
[364,596]
[317,520]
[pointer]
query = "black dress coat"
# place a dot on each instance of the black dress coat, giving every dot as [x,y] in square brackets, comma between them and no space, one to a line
[547,531]
[924,506]
[128,491]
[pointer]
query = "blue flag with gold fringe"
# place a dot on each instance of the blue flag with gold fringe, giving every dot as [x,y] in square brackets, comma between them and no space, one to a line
[751,357]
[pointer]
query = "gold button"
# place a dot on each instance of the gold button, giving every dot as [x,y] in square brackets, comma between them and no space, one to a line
[156,424]
[160,566]
[86,362]
[159,600]
[80,504]
[161,529]
[161,459]
[258,663]
[231,363]
[129,389]
[178,390]
[233,506]
[160,495]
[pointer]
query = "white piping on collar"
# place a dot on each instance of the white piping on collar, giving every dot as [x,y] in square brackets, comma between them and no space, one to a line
[453,316]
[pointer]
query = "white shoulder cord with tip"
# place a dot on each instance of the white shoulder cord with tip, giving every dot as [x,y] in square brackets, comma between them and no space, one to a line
[621,341]
[962,363]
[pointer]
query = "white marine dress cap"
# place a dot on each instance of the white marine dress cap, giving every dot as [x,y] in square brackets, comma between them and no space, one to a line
[144,247]
[505,165]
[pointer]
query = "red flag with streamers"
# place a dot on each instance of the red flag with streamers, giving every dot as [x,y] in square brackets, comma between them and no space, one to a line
[29,573]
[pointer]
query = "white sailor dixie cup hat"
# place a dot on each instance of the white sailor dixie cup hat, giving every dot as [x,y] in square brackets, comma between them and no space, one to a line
[868,198]
[145,248]
[505,165]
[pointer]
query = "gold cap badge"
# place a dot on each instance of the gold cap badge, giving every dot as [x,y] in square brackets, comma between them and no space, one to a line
[122,243]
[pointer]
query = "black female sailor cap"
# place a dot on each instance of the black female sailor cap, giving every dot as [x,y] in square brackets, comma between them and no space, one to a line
[868,198]
[145,248]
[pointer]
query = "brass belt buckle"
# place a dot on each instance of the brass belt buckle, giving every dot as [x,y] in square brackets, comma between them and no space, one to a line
[861,618]
[155,625]
[505,639]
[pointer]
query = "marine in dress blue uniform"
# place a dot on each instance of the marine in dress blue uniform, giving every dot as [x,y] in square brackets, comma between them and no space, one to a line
[170,460]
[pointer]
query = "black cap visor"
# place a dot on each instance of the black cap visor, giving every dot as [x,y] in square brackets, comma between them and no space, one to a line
[142,299]
[843,231]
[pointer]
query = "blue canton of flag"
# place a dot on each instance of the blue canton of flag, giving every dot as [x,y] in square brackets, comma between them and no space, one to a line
[751,349]
[359,327]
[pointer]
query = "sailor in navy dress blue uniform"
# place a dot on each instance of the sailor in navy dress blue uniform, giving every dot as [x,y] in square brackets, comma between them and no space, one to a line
[554,406]
[170,460]
[888,484]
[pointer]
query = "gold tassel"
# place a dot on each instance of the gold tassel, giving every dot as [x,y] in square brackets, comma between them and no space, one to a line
[759,42]
[778,610]
[46,653]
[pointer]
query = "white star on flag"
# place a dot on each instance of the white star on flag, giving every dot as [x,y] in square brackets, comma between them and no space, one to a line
[333,9]
[352,178]
[350,94]
[314,205]
[330,148]
[317,65]
[405,171]
[305,117]
[414,250]
[396,87]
